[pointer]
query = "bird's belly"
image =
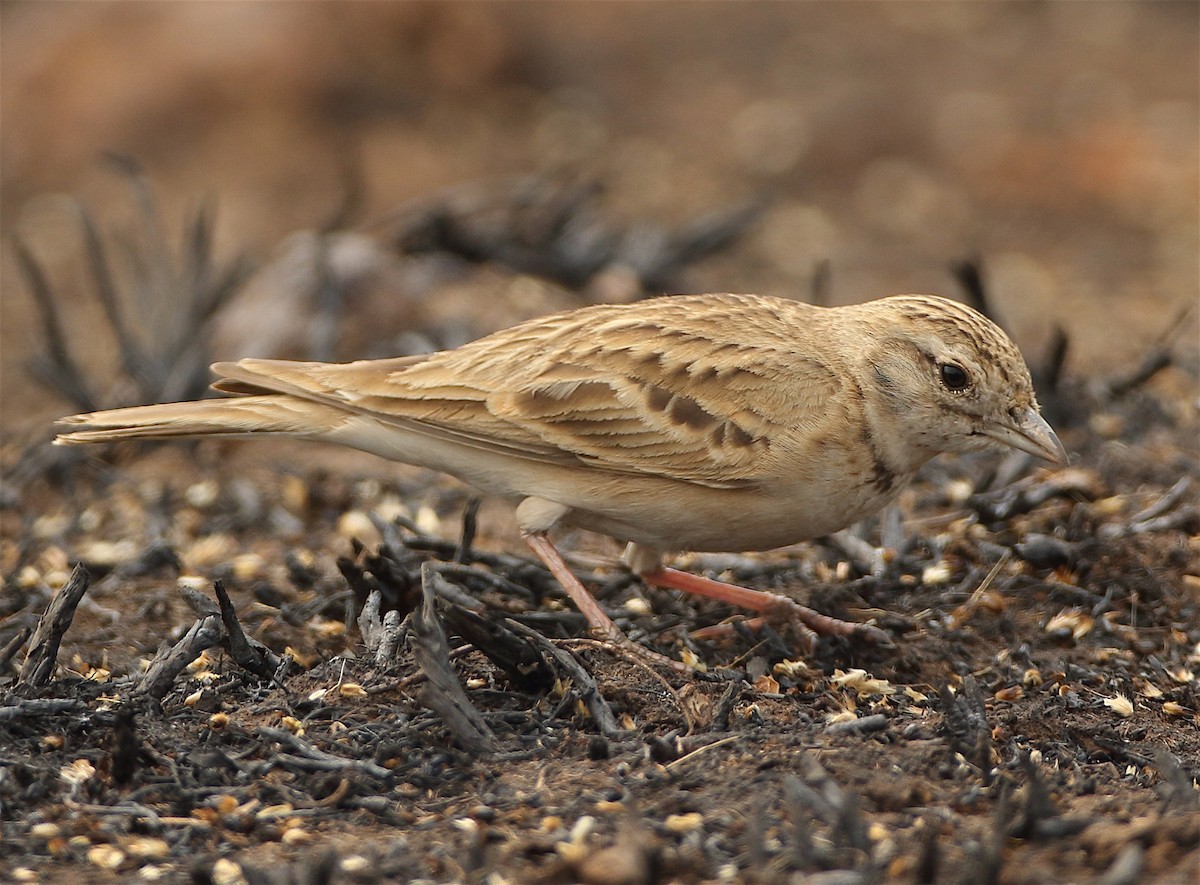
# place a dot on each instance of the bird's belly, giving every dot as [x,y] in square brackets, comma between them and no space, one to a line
[664,514]
[728,520]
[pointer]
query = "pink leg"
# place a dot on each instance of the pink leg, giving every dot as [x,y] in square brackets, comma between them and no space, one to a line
[776,608]
[600,624]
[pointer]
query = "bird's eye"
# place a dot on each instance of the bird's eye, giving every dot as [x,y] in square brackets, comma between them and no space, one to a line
[954,377]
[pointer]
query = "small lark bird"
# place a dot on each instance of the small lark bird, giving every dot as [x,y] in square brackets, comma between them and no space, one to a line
[701,422]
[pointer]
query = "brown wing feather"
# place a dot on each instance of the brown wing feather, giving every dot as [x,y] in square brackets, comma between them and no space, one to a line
[648,388]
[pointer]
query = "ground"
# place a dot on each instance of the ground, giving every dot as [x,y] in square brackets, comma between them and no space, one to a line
[1035,717]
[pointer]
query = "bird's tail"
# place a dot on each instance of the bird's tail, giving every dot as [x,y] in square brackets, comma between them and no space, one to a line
[238,416]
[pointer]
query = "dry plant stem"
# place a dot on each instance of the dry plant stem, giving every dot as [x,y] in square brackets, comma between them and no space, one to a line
[52,626]
[255,657]
[58,367]
[369,623]
[310,756]
[14,645]
[41,707]
[776,608]
[515,654]
[389,642]
[443,694]
[589,690]
[865,725]
[203,635]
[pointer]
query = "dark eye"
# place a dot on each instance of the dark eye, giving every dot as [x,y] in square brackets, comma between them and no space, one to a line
[954,376]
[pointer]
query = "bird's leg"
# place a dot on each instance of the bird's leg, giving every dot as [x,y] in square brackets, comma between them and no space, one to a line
[601,625]
[777,609]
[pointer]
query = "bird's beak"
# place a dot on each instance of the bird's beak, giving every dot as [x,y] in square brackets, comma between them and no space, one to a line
[1030,433]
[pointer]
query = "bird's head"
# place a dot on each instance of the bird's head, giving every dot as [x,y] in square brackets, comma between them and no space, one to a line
[951,380]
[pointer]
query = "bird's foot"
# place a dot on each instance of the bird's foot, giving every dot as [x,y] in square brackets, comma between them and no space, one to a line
[775,609]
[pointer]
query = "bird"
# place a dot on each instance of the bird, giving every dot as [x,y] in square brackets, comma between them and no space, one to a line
[703,423]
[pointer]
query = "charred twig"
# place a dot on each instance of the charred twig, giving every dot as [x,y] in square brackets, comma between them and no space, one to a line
[133,359]
[1166,503]
[867,558]
[510,574]
[381,636]
[865,725]
[170,662]
[990,860]
[328,300]
[1024,496]
[125,746]
[34,707]
[393,634]
[12,647]
[1159,516]
[818,796]
[1038,804]
[370,624]
[969,274]
[552,225]
[707,235]
[724,707]
[451,592]
[1154,362]
[443,693]
[253,656]
[820,285]
[52,626]
[585,683]
[802,848]
[513,651]
[469,522]
[930,853]
[1050,376]
[1040,819]
[965,721]
[200,604]
[1157,359]
[165,356]
[474,577]
[1176,788]
[319,760]
[1126,869]
[1185,518]
[59,370]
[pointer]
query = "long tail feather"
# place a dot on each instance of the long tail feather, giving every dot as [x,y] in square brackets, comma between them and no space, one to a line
[240,416]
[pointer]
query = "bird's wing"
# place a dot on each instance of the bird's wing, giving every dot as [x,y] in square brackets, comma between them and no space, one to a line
[669,391]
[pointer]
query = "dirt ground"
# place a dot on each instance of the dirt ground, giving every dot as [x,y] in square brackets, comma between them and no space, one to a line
[382,179]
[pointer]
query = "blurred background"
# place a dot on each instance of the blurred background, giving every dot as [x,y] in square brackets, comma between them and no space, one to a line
[382,177]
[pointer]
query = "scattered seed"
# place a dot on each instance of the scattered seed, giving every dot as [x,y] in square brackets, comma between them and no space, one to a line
[1120,705]
[226,872]
[684,823]
[296,836]
[106,857]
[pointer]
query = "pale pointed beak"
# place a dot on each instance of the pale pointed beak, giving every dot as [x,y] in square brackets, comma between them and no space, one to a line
[1029,433]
